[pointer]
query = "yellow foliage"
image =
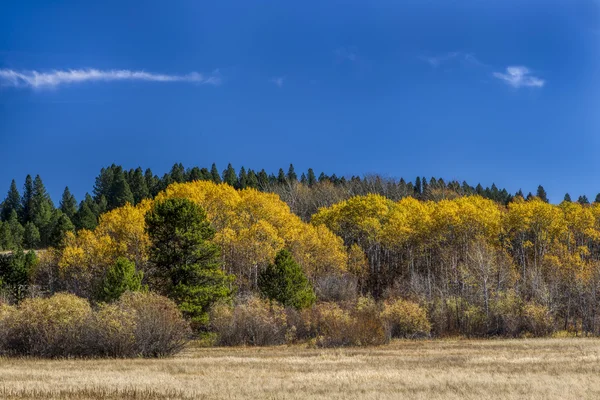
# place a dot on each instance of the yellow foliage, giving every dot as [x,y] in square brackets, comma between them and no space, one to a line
[251,227]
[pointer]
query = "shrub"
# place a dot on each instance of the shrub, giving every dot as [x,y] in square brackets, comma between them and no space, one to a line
[160,329]
[537,319]
[332,324]
[53,327]
[507,308]
[369,329]
[253,321]
[405,319]
[336,288]
[64,325]
[358,325]
[114,332]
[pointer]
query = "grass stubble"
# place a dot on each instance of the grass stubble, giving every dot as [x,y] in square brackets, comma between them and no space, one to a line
[438,369]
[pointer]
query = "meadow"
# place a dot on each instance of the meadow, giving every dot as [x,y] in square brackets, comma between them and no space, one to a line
[566,368]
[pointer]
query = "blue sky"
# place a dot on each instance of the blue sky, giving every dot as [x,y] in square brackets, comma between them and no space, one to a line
[484,91]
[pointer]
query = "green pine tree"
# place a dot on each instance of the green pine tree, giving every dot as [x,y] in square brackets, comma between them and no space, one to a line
[291,175]
[263,180]
[214,174]
[541,193]
[281,178]
[120,278]
[42,209]
[186,262]
[26,201]
[68,204]
[16,229]
[242,179]
[15,270]
[12,202]
[567,198]
[151,182]
[31,237]
[85,217]
[312,179]
[138,185]
[230,177]
[120,193]
[177,173]
[252,181]
[61,224]
[583,200]
[285,282]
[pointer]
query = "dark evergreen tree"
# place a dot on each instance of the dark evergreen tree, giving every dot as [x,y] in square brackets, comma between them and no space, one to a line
[567,198]
[323,177]
[312,179]
[31,237]
[120,278]
[68,204]
[104,183]
[214,174]
[291,175]
[583,200]
[177,173]
[281,178]
[41,210]
[541,193]
[418,188]
[530,196]
[6,239]
[479,189]
[151,182]
[303,179]
[187,263]
[12,201]
[252,181]
[229,176]
[205,174]
[85,218]
[120,193]
[285,282]
[263,180]
[26,201]
[520,194]
[16,229]
[194,174]
[425,188]
[15,270]
[597,199]
[138,186]
[242,179]
[61,224]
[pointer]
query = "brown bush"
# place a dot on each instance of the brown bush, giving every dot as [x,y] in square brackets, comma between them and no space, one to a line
[405,319]
[160,329]
[336,288]
[64,325]
[358,325]
[537,320]
[53,327]
[251,321]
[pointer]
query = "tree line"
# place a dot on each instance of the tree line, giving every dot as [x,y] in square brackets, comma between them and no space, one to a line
[29,218]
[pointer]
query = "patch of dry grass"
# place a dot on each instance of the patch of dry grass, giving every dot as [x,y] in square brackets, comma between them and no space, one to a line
[462,369]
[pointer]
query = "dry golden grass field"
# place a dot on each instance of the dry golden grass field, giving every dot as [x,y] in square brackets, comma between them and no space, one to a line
[462,369]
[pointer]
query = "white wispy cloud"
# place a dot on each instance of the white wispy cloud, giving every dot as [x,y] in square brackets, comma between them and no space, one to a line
[519,76]
[278,81]
[347,53]
[465,58]
[54,78]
